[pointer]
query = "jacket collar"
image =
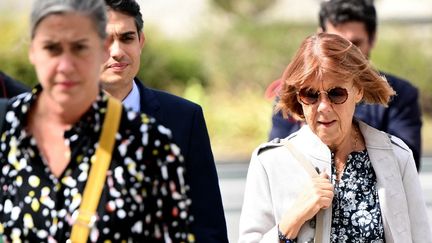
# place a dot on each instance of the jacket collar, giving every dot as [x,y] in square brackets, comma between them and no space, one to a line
[385,164]
[148,100]
[374,140]
[311,145]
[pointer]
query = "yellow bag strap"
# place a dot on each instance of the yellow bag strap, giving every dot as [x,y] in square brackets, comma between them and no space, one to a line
[86,215]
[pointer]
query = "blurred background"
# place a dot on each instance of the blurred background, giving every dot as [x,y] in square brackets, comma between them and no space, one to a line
[222,54]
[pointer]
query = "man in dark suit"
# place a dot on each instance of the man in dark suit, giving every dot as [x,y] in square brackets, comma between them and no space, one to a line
[10,87]
[356,21]
[184,118]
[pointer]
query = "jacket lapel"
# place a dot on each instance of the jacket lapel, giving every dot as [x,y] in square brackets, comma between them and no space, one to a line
[149,103]
[320,156]
[389,183]
[313,146]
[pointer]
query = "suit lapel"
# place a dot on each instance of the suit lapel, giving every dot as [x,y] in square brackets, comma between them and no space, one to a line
[149,103]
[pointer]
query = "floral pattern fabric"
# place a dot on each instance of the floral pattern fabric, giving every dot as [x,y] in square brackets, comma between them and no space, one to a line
[144,197]
[356,215]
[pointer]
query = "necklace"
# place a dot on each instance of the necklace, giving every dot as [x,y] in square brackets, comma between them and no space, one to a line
[339,171]
[354,146]
[339,167]
[356,138]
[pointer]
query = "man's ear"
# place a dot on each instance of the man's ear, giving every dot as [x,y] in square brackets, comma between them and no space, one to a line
[141,39]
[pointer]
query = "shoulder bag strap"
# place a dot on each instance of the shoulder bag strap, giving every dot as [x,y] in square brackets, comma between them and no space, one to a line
[307,165]
[86,214]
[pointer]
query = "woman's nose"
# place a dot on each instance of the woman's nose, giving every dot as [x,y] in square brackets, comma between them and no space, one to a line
[324,104]
[65,64]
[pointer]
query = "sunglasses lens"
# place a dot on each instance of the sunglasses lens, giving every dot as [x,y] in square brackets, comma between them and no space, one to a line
[308,96]
[337,95]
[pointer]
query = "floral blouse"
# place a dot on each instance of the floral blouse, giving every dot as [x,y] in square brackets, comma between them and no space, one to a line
[356,215]
[144,197]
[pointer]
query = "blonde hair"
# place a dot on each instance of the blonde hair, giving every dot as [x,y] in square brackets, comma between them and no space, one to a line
[331,55]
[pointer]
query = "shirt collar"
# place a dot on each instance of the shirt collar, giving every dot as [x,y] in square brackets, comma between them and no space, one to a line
[132,100]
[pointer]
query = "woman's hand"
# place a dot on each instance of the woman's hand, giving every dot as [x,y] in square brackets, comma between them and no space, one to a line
[316,195]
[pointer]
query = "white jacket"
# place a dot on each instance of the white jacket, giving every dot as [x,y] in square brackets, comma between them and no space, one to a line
[275,178]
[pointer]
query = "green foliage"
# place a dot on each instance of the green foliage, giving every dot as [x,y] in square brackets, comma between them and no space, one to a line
[20,69]
[250,54]
[409,58]
[244,8]
[237,122]
[13,50]
[427,135]
[168,64]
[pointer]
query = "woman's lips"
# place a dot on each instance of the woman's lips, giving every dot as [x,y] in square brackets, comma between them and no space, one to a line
[326,123]
[67,84]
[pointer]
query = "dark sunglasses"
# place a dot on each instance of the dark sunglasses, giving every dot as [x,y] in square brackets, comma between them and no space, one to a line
[336,95]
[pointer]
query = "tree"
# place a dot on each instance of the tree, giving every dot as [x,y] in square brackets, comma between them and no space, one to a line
[244,8]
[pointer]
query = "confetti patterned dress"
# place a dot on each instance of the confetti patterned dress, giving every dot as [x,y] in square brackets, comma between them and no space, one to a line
[144,197]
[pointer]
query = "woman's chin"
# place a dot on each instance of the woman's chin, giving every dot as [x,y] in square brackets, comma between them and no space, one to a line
[326,138]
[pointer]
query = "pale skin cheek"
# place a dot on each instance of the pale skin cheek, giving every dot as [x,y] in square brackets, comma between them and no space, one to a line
[45,69]
[311,118]
[330,139]
[44,76]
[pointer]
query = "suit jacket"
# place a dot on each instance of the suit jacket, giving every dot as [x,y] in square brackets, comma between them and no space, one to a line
[186,121]
[275,180]
[10,87]
[401,118]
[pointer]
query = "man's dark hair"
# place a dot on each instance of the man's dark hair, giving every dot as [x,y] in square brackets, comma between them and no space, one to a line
[128,7]
[342,11]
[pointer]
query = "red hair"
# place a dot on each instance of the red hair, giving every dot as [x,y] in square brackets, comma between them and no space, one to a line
[328,55]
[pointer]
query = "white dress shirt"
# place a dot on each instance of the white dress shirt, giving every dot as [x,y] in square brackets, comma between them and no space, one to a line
[132,100]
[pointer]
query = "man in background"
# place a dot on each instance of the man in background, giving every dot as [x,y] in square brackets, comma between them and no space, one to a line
[356,20]
[184,118]
[10,87]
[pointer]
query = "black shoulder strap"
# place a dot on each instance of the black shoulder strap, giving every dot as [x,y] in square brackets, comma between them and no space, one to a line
[3,106]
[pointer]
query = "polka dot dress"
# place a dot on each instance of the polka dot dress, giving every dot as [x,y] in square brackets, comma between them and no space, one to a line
[144,197]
